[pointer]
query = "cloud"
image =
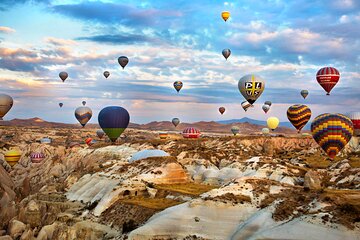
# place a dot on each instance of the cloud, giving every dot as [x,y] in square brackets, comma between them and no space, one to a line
[114,13]
[6,30]
[59,41]
[119,39]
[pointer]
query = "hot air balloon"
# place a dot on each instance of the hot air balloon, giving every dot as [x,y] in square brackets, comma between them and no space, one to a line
[89,141]
[45,140]
[83,115]
[175,121]
[123,61]
[225,15]
[63,76]
[251,87]
[191,132]
[265,108]
[83,103]
[265,131]
[299,115]
[6,103]
[304,93]
[100,133]
[355,118]
[178,85]
[272,123]
[268,103]
[12,156]
[328,77]
[235,130]
[106,74]
[332,132]
[245,105]
[61,104]
[163,135]
[221,110]
[113,120]
[37,157]
[226,53]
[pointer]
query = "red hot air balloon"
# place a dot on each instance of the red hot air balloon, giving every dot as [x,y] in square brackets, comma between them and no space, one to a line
[355,118]
[191,132]
[221,110]
[328,77]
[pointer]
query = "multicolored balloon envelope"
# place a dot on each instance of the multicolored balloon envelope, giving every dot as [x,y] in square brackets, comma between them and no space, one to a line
[6,103]
[175,121]
[251,87]
[63,76]
[328,77]
[235,130]
[332,132]
[12,157]
[245,105]
[191,132]
[299,115]
[178,85]
[226,53]
[83,115]
[355,118]
[221,110]
[37,157]
[113,120]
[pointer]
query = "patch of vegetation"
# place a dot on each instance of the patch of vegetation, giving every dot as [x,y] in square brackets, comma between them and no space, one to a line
[151,203]
[193,189]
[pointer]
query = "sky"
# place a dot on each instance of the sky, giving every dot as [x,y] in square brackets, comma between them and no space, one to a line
[283,41]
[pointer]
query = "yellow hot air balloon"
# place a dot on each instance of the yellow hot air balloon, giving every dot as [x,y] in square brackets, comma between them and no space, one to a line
[272,123]
[12,156]
[225,15]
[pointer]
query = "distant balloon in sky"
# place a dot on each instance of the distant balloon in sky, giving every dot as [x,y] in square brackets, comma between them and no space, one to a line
[328,77]
[6,103]
[178,85]
[235,130]
[226,53]
[83,103]
[265,108]
[63,76]
[268,103]
[265,131]
[332,132]
[113,120]
[61,104]
[106,74]
[251,87]
[304,93]
[355,118]
[83,115]
[100,133]
[273,123]
[175,121]
[245,105]
[299,115]
[123,61]
[225,15]
[221,110]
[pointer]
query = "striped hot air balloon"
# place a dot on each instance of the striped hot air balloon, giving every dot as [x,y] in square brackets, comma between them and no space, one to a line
[163,135]
[332,132]
[12,157]
[355,118]
[328,77]
[245,105]
[191,132]
[37,157]
[83,115]
[178,85]
[299,115]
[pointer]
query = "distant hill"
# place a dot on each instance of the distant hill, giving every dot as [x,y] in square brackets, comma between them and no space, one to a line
[259,122]
[246,126]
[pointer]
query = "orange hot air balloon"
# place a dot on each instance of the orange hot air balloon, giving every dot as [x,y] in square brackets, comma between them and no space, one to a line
[225,15]
[221,110]
[163,135]
[12,157]
[89,141]
[328,77]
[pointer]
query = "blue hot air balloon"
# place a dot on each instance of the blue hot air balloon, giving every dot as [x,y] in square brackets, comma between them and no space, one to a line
[113,120]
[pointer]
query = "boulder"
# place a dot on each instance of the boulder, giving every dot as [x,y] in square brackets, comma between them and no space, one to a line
[312,180]
[16,228]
